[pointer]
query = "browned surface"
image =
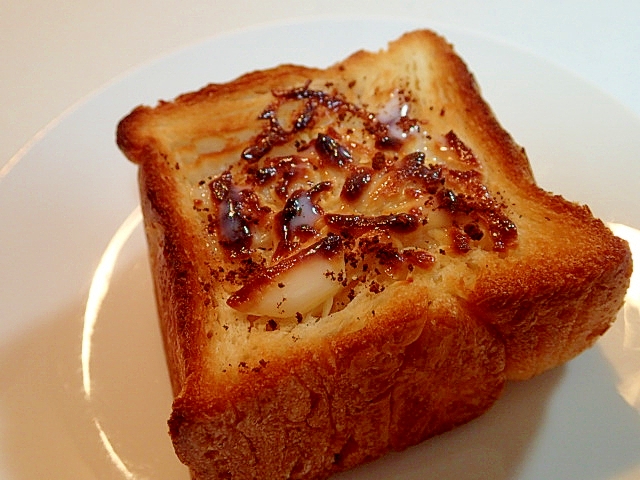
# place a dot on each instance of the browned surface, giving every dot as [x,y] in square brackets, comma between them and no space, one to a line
[428,357]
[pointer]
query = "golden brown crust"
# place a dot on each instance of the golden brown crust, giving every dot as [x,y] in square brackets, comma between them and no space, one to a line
[420,357]
[546,310]
[347,401]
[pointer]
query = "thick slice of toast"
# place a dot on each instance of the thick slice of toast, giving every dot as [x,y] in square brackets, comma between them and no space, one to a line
[348,261]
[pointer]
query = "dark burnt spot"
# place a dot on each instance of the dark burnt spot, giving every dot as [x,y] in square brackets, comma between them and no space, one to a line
[264,175]
[379,161]
[474,231]
[355,184]
[331,151]
[271,325]
[356,225]
[384,141]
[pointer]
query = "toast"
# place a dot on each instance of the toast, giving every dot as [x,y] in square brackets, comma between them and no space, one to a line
[351,260]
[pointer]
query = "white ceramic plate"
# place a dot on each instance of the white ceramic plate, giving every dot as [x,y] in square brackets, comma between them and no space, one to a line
[84,391]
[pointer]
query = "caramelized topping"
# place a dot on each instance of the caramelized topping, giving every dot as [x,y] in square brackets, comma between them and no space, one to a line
[331,151]
[274,135]
[234,211]
[296,284]
[462,151]
[297,235]
[355,184]
[297,219]
[413,168]
[284,171]
[356,225]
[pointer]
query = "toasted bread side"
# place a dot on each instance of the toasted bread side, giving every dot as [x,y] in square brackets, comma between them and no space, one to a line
[351,260]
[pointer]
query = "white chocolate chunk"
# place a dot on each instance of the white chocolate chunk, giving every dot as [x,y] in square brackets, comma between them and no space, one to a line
[300,288]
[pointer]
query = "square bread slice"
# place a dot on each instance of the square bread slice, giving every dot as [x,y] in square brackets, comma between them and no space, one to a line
[350,260]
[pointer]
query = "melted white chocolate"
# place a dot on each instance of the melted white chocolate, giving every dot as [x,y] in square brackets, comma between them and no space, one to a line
[298,289]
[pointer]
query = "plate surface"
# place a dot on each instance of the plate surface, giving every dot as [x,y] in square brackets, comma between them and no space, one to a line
[85,393]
